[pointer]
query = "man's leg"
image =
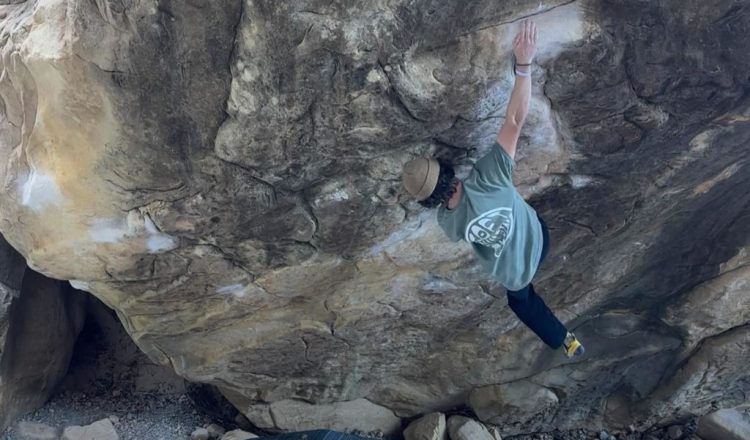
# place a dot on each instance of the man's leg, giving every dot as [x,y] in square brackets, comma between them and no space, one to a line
[533,312]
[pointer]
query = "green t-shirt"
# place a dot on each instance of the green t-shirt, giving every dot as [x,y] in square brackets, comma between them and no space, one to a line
[502,228]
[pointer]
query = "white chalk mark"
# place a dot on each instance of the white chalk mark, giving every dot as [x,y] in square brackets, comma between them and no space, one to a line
[107,230]
[110,230]
[232,289]
[161,243]
[339,195]
[578,181]
[158,241]
[40,191]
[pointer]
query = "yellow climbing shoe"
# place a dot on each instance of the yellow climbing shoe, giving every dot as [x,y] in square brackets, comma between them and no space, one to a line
[572,346]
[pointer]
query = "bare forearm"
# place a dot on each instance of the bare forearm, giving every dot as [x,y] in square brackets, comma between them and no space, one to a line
[524,47]
[520,100]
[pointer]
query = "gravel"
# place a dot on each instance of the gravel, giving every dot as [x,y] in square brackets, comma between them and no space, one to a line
[142,416]
[110,378]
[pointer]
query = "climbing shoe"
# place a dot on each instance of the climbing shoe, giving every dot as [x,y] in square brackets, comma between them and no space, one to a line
[572,346]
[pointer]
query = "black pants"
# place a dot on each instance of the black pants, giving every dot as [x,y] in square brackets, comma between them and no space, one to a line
[531,309]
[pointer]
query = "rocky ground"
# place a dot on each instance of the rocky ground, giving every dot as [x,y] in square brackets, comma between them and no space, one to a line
[111,380]
[673,432]
[148,416]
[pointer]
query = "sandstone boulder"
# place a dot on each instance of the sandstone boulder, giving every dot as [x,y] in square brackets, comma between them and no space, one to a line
[40,320]
[225,175]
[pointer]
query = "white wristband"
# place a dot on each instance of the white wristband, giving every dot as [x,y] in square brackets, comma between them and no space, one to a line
[523,74]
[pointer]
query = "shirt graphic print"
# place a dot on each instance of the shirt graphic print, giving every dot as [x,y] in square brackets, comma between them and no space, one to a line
[491,229]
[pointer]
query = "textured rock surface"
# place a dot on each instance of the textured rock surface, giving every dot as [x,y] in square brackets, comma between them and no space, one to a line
[238,434]
[200,434]
[12,268]
[101,430]
[360,414]
[40,320]
[517,402]
[429,427]
[225,175]
[726,424]
[464,428]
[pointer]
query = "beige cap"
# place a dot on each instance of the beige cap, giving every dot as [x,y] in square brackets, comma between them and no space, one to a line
[421,176]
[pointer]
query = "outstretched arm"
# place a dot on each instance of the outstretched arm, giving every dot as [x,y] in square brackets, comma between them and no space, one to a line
[524,48]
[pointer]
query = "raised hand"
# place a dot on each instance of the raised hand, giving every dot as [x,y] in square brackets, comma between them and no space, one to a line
[524,44]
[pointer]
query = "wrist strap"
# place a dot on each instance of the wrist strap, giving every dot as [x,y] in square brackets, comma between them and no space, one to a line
[513,67]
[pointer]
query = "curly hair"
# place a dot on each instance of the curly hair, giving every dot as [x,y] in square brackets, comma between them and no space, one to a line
[444,189]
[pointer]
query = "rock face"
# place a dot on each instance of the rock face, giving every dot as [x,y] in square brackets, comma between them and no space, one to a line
[518,403]
[12,268]
[726,424]
[40,320]
[225,175]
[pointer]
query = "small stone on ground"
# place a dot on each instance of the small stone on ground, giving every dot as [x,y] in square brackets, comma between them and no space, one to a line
[215,431]
[200,434]
[37,431]
[101,430]
[238,434]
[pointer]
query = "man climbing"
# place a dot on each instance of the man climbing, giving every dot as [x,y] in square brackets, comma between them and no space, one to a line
[487,211]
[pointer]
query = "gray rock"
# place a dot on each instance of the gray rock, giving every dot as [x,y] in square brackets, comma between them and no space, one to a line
[40,319]
[429,427]
[464,428]
[215,431]
[238,434]
[361,415]
[709,375]
[200,434]
[714,306]
[37,431]
[101,430]
[495,432]
[725,424]
[260,415]
[674,432]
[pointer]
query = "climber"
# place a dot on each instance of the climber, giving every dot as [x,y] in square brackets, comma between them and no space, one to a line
[486,210]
